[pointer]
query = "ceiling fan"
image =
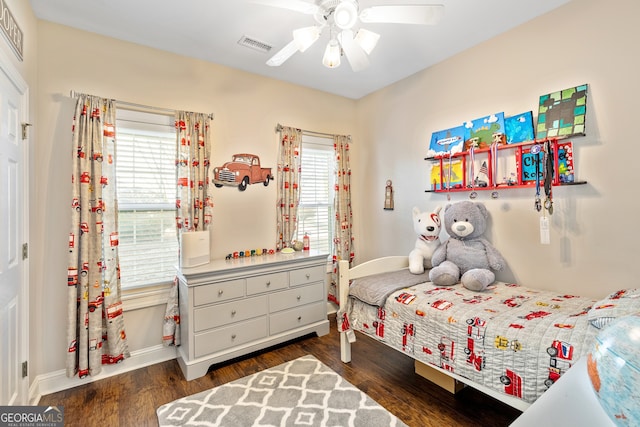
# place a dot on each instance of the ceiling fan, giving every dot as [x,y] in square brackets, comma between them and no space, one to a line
[340,17]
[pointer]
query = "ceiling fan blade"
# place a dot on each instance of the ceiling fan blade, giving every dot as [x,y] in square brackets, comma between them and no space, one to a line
[426,14]
[305,37]
[295,5]
[356,56]
[283,54]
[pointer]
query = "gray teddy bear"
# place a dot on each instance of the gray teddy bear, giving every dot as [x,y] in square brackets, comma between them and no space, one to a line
[465,257]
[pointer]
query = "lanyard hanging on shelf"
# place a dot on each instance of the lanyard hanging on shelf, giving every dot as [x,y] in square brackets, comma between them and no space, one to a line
[535,150]
[449,178]
[494,169]
[472,172]
[548,177]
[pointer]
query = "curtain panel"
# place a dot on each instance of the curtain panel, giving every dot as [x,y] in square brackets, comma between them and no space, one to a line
[288,194]
[193,201]
[343,241]
[194,204]
[95,327]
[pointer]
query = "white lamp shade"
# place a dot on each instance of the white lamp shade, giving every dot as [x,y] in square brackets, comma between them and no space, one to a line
[367,40]
[331,58]
[305,37]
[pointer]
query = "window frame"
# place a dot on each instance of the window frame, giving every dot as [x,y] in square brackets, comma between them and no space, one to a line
[152,294]
[324,143]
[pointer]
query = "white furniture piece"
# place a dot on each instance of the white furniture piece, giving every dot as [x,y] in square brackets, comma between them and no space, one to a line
[569,402]
[232,307]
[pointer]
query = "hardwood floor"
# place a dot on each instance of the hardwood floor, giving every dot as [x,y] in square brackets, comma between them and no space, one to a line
[386,375]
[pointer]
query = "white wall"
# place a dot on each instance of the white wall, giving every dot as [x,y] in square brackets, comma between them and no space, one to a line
[246,107]
[582,42]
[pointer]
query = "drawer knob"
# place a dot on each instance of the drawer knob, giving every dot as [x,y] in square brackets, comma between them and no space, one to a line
[299,297]
[233,337]
[299,318]
[308,276]
[233,312]
[268,283]
[220,292]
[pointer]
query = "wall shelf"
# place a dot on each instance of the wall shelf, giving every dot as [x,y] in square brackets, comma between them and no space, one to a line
[525,167]
[502,186]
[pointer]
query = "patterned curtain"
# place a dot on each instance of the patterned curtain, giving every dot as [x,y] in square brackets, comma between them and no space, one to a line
[343,242]
[193,200]
[288,189]
[95,327]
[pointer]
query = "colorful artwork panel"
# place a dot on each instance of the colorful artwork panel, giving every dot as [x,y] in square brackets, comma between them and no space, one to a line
[480,131]
[519,128]
[565,170]
[449,180]
[449,141]
[565,162]
[532,165]
[562,114]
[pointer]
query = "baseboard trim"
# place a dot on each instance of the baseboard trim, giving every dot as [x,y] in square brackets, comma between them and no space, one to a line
[54,382]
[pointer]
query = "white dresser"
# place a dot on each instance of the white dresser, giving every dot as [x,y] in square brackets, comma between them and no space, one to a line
[229,308]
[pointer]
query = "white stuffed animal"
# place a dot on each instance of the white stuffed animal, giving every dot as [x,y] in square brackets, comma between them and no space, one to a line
[427,225]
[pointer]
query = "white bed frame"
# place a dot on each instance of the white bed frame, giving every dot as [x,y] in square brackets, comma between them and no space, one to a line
[391,263]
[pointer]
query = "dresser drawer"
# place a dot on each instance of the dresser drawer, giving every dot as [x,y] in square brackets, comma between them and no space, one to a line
[296,317]
[229,336]
[303,276]
[296,297]
[267,282]
[218,292]
[217,315]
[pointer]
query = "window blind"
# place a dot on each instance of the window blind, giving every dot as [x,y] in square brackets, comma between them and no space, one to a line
[315,210]
[146,191]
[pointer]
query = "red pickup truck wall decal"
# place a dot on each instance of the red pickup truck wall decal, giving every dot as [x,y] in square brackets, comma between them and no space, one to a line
[242,170]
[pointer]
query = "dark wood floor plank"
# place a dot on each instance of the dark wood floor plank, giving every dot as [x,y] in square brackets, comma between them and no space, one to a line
[386,375]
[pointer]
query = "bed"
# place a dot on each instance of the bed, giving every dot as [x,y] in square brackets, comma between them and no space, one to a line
[509,341]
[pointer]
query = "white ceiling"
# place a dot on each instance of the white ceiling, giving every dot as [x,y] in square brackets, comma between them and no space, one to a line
[210,30]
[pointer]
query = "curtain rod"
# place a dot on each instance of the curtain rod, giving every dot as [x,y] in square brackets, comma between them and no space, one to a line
[167,111]
[307,132]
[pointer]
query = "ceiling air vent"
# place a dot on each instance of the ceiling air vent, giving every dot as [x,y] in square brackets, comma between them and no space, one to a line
[254,44]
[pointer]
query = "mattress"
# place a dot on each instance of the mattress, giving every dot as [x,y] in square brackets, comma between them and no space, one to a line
[510,338]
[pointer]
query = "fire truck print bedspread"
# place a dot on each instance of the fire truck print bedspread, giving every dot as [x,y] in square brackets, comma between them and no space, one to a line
[513,339]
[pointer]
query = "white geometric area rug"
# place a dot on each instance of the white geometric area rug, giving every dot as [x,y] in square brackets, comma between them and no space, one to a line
[303,392]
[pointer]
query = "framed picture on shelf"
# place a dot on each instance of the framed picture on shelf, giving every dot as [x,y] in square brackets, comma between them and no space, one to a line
[564,170]
[531,165]
[562,114]
[519,128]
[480,131]
[452,176]
[448,141]
[565,162]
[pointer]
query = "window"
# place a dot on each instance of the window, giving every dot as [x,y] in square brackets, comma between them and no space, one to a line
[146,191]
[315,211]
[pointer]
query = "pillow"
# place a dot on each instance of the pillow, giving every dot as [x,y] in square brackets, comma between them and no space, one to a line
[617,304]
[375,289]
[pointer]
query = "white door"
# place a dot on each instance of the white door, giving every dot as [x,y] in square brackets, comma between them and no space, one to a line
[13,235]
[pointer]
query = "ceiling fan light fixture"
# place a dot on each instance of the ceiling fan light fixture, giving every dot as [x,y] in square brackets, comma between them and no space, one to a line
[305,37]
[345,15]
[331,58]
[367,40]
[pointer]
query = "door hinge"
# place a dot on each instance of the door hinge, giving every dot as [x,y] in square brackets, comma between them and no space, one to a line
[25,251]
[25,369]
[24,130]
